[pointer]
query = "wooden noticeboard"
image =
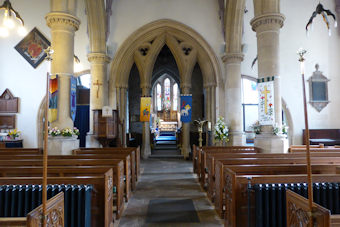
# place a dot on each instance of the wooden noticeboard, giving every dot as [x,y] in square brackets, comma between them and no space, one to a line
[8,103]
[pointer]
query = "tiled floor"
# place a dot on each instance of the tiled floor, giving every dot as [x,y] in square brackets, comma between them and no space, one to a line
[168,179]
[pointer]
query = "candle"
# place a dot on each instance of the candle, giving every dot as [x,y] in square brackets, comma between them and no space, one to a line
[209,126]
[302,67]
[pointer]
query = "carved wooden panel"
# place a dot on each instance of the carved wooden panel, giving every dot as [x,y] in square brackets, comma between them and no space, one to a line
[105,127]
[7,121]
[54,213]
[8,103]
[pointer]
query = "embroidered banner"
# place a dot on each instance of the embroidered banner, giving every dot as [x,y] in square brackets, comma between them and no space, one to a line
[266,103]
[145,104]
[73,97]
[53,99]
[186,108]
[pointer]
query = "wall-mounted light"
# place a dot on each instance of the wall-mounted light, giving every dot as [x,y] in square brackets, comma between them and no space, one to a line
[9,20]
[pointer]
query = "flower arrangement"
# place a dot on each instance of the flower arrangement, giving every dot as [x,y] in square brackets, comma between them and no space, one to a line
[67,132]
[256,127]
[54,131]
[13,134]
[221,130]
[283,129]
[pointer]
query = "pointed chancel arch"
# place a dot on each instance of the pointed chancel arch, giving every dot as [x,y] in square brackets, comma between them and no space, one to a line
[143,47]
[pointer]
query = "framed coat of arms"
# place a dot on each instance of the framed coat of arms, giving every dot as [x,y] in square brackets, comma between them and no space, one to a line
[32,47]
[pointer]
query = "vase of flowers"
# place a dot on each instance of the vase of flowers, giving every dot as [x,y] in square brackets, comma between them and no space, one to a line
[13,134]
[256,127]
[66,132]
[221,131]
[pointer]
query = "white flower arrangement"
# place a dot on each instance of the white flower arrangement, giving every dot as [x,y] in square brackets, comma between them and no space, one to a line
[280,130]
[221,130]
[67,132]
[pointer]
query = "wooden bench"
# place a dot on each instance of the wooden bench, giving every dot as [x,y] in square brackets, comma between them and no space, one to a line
[201,164]
[212,157]
[116,180]
[134,153]
[33,219]
[221,165]
[109,150]
[21,150]
[314,149]
[102,195]
[298,206]
[128,167]
[236,187]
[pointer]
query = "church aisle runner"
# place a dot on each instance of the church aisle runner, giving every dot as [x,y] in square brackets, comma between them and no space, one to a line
[169,186]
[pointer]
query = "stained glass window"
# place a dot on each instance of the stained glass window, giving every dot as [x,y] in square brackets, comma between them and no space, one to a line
[167,97]
[159,97]
[175,97]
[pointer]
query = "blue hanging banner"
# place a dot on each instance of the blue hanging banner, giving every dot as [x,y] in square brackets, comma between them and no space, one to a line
[186,108]
[73,98]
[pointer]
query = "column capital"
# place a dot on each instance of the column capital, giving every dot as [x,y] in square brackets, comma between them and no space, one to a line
[98,58]
[233,58]
[185,88]
[122,86]
[62,20]
[209,85]
[268,20]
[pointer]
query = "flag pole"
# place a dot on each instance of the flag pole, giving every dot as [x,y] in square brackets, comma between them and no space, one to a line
[48,52]
[301,54]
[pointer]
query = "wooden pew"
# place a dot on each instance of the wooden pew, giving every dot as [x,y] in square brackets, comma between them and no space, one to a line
[33,219]
[201,164]
[221,165]
[312,149]
[133,152]
[236,213]
[102,195]
[212,157]
[128,166]
[298,212]
[109,150]
[21,150]
[117,179]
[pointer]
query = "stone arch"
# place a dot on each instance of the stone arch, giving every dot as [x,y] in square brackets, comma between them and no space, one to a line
[152,37]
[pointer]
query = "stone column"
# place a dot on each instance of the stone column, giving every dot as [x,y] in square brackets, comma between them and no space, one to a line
[213,110]
[99,87]
[232,63]
[185,127]
[233,99]
[208,108]
[123,94]
[146,147]
[267,23]
[63,26]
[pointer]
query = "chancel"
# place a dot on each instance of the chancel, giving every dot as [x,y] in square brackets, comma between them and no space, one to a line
[169,120]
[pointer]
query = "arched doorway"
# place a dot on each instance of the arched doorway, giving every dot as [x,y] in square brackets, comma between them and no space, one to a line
[142,49]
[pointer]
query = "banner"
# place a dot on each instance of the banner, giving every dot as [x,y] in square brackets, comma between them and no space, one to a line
[186,108]
[266,103]
[73,97]
[53,99]
[145,106]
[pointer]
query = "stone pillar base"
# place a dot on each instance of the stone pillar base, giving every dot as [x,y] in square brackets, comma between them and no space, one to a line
[91,141]
[270,143]
[62,145]
[145,152]
[185,151]
[237,139]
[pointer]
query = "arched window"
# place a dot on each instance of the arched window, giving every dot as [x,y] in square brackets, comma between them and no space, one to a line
[159,97]
[167,101]
[175,97]
[249,103]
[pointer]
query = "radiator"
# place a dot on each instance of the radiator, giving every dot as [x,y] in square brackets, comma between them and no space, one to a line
[18,200]
[270,200]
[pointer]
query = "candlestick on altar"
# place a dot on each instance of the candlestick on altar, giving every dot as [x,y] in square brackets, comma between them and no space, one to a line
[301,54]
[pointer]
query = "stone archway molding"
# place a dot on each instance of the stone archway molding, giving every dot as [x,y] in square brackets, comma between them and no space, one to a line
[182,42]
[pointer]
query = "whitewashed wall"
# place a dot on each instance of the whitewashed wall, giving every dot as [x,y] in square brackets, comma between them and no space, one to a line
[321,48]
[20,77]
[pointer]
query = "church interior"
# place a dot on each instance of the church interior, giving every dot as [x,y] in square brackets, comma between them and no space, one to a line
[169,113]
